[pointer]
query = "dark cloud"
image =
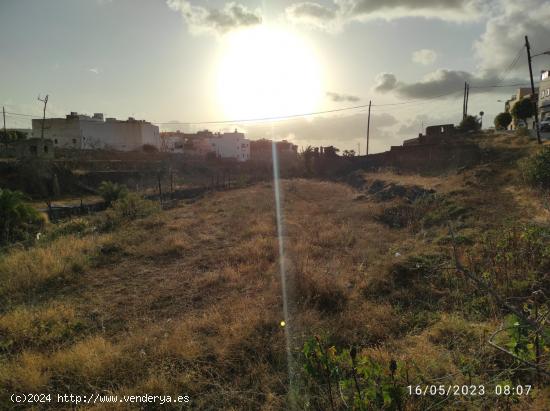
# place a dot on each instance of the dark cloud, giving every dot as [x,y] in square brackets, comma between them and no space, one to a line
[442,82]
[199,19]
[338,97]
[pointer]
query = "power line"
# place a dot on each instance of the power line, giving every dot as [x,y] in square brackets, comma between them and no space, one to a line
[313,113]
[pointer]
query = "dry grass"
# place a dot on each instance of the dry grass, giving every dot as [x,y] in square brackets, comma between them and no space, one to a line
[39,326]
[23,271]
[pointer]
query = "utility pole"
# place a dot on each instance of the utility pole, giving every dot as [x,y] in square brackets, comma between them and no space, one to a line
[533,89]
[45,101]
[4,115]
[368,129]
[464,101]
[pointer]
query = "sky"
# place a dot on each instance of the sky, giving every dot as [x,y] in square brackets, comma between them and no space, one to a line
[186,64]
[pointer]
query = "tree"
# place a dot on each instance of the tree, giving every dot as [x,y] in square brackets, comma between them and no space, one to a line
[10,136]
[17,219]
[348,153]
[523,109]
[503,120]
[308,158]
[469,123]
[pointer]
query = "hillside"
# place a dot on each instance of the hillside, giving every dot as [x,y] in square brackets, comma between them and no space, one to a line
[188,301]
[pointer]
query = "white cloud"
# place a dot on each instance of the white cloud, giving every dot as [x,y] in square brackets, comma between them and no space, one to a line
[385,82]
[339,97]
[215,21]
[342,131]
[424,56]
[315,15]
[504,35]
[94,70]
[341,12]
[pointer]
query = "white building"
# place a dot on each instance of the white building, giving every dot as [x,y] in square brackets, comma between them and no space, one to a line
[87,133]
[230,145]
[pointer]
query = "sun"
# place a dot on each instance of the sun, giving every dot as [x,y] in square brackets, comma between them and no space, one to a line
[267,72]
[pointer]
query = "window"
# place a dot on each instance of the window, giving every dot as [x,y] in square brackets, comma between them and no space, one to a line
[55,141]
[74,140]
[46,149]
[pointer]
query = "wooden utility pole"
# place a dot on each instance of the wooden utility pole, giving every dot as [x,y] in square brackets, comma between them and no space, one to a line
[368,129]
[45,101]
[4,115]
[528,47]
[464,101]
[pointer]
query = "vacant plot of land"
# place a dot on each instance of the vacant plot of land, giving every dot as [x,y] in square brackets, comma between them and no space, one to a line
[188,301]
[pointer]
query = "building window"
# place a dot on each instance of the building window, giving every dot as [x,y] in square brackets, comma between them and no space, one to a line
[45,149]
[74,140]
[55,141]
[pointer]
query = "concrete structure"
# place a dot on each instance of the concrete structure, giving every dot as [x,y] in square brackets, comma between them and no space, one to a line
[544,95]
[29,148]
[521,93]
[83,132]
[434,135]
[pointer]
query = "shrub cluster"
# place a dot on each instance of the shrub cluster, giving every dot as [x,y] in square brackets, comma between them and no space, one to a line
[128,208]
[18,221]
[536,169]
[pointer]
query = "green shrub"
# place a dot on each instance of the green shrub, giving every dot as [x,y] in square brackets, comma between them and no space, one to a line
[128,208]
[18,221]
[536,169]
[112,191]
[78,226]
[348,379]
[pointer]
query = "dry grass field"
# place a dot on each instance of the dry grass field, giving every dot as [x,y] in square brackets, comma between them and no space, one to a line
[188,300]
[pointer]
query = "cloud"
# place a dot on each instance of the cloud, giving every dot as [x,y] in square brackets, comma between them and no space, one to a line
[342,12]
[385,82]
[310,13]
[343,131]
[94,70]
[450,10]
[504,35]
[441,82]
[215,21]
[424,56]
[337,97]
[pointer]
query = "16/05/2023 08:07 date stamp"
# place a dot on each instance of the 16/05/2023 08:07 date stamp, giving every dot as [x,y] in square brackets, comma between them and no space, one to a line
[469,390]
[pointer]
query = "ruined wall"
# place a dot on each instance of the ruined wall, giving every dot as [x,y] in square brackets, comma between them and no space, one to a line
[423,158]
